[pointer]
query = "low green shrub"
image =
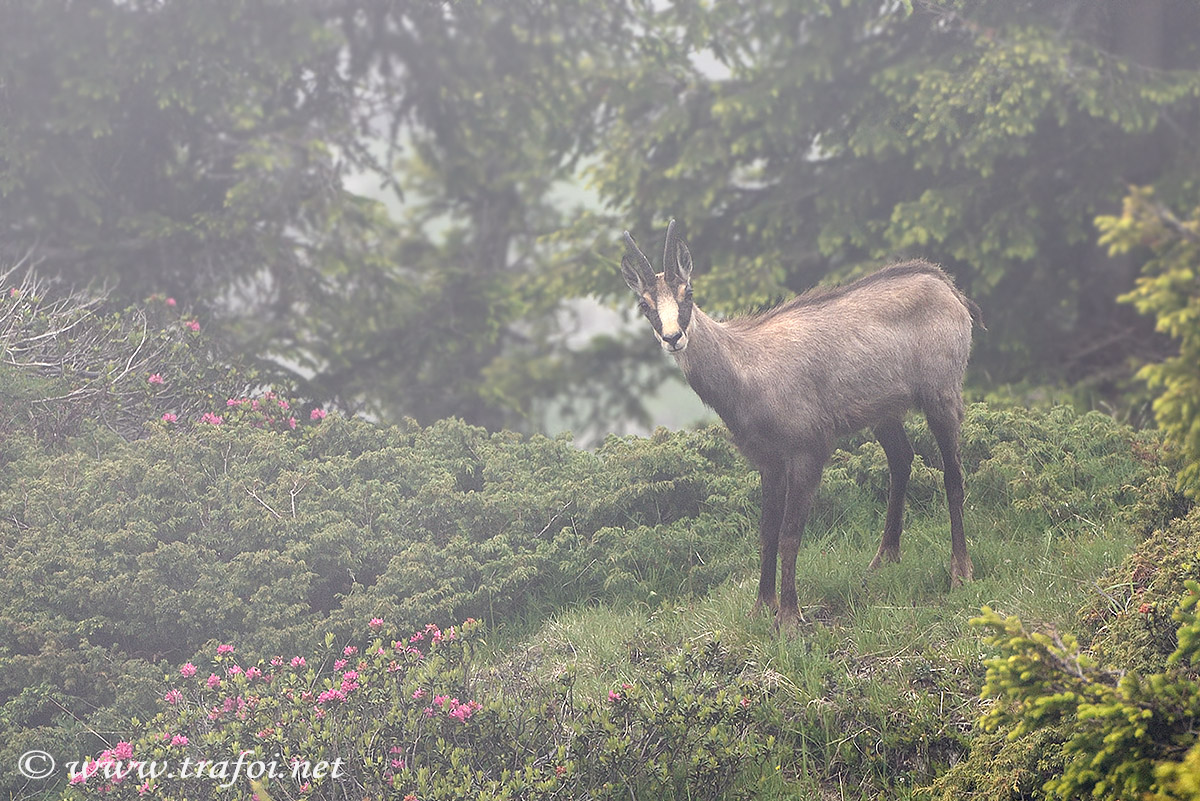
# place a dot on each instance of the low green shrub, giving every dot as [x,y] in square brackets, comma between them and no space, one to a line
[1116,718]
[412,718]
[118,557]
[127,555]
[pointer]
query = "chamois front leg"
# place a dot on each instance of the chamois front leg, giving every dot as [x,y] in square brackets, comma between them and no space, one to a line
[946,424]
[803,476]
[774,492]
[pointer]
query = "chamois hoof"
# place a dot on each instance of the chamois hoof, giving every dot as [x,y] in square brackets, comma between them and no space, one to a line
[789,621]
[769,605]
[883,556]
[960,573]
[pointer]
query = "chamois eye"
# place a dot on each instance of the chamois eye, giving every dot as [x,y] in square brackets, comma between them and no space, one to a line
[643,307]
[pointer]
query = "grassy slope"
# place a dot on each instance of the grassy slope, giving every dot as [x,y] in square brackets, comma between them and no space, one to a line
[879,691]
[604,560]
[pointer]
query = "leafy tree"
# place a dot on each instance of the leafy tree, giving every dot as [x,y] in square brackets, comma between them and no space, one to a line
[805,140]
[1167,290]
[206,151]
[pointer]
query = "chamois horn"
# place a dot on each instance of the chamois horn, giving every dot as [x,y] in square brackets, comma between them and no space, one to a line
[635,258]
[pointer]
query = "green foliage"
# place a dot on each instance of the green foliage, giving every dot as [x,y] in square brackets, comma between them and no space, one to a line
[1115,719]
[135,554]
[415,718]
[1167,290]
[229,532]
[69,365]
[379,202]
[1125,727]
[801,141]
[238,156]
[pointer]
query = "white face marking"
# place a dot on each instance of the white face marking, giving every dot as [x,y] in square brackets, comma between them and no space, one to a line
[668,315]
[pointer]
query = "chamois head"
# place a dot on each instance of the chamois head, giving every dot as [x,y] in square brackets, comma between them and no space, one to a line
[664,298]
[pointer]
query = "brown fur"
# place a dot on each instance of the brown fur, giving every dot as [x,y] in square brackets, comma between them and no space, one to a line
[788,381]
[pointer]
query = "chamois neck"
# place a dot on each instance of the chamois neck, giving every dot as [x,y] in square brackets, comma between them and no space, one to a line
[709,362]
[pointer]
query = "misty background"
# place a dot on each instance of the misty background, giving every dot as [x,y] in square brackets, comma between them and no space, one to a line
[399,208]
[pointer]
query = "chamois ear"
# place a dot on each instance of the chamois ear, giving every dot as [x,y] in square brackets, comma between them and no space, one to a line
[677,260]
[683,262]
[629,272]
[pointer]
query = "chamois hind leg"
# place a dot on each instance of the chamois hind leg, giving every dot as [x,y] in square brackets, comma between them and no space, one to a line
[774,491]
[803,476]
[899,456]
[945,421]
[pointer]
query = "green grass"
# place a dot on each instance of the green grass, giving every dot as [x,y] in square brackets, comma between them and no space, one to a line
[603,563]
[878,692]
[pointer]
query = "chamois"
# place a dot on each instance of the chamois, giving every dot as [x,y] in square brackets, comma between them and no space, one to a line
[788,381]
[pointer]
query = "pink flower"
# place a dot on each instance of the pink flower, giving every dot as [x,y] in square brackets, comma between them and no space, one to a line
[170,418]
[292,423]
[123,750]
[461,711]
[338,664]
[173,697]
[298,661]
[331,695]
[192,325]
[144,787]
[418,694]
[188,670]
[317,414]
[224,649]
[614,696]
[179,739]
[376,623]
[233,402]
[350,650]
[233,670]
[253,673]
[213,681]
[155,378]
[283,404]
[170,301]
[209,417]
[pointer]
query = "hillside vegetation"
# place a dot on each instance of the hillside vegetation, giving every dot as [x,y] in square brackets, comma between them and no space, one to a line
[590,573]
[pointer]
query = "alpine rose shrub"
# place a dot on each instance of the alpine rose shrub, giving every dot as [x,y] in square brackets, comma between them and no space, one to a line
[413,717]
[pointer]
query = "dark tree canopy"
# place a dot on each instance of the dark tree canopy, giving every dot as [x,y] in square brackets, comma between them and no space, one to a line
[207,151]
[803,140]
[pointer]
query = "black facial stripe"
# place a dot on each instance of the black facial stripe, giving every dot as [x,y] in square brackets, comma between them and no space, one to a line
[685,314]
